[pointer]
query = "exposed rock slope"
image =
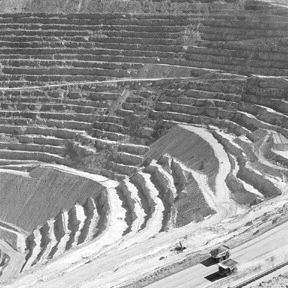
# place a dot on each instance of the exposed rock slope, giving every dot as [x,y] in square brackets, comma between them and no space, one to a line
[187,114]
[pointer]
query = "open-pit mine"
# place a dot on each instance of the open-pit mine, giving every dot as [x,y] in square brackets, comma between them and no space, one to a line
[137,136]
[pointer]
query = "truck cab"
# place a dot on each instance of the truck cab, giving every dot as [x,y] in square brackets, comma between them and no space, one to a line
[227,267]
[220,253]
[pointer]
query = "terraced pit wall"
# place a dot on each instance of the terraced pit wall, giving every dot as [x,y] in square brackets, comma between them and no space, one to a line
[73,124]
[40,49]
[117,6]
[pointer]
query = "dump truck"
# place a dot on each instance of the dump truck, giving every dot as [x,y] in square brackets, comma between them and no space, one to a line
[220,253]
[227,267]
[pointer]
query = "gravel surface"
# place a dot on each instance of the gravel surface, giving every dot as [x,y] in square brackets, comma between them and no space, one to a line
[277,282]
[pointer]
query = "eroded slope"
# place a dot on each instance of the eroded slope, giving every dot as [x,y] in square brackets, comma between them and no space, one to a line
[41,194]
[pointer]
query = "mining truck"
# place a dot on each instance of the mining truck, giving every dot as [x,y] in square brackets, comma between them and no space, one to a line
[227,267]
[220,253]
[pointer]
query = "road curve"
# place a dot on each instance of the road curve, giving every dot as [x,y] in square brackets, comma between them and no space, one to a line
[16,261]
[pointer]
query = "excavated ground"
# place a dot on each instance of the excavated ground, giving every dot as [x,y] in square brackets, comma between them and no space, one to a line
[195,142]
[40,195]
[277,282]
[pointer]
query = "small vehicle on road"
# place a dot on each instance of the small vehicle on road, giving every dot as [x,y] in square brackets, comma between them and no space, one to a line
[227,267]
[220,253]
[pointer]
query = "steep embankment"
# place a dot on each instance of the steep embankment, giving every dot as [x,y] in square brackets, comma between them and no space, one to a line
[30,201]
[188,148]
[199,167]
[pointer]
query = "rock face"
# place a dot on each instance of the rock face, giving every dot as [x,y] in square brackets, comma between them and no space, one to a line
[41,196]
[188,148]
[183,115]
[54,48]
[93,6]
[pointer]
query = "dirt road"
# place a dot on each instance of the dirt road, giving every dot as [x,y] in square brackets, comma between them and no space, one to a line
[92,83]
[118,263]
[203,274]
[15,263]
